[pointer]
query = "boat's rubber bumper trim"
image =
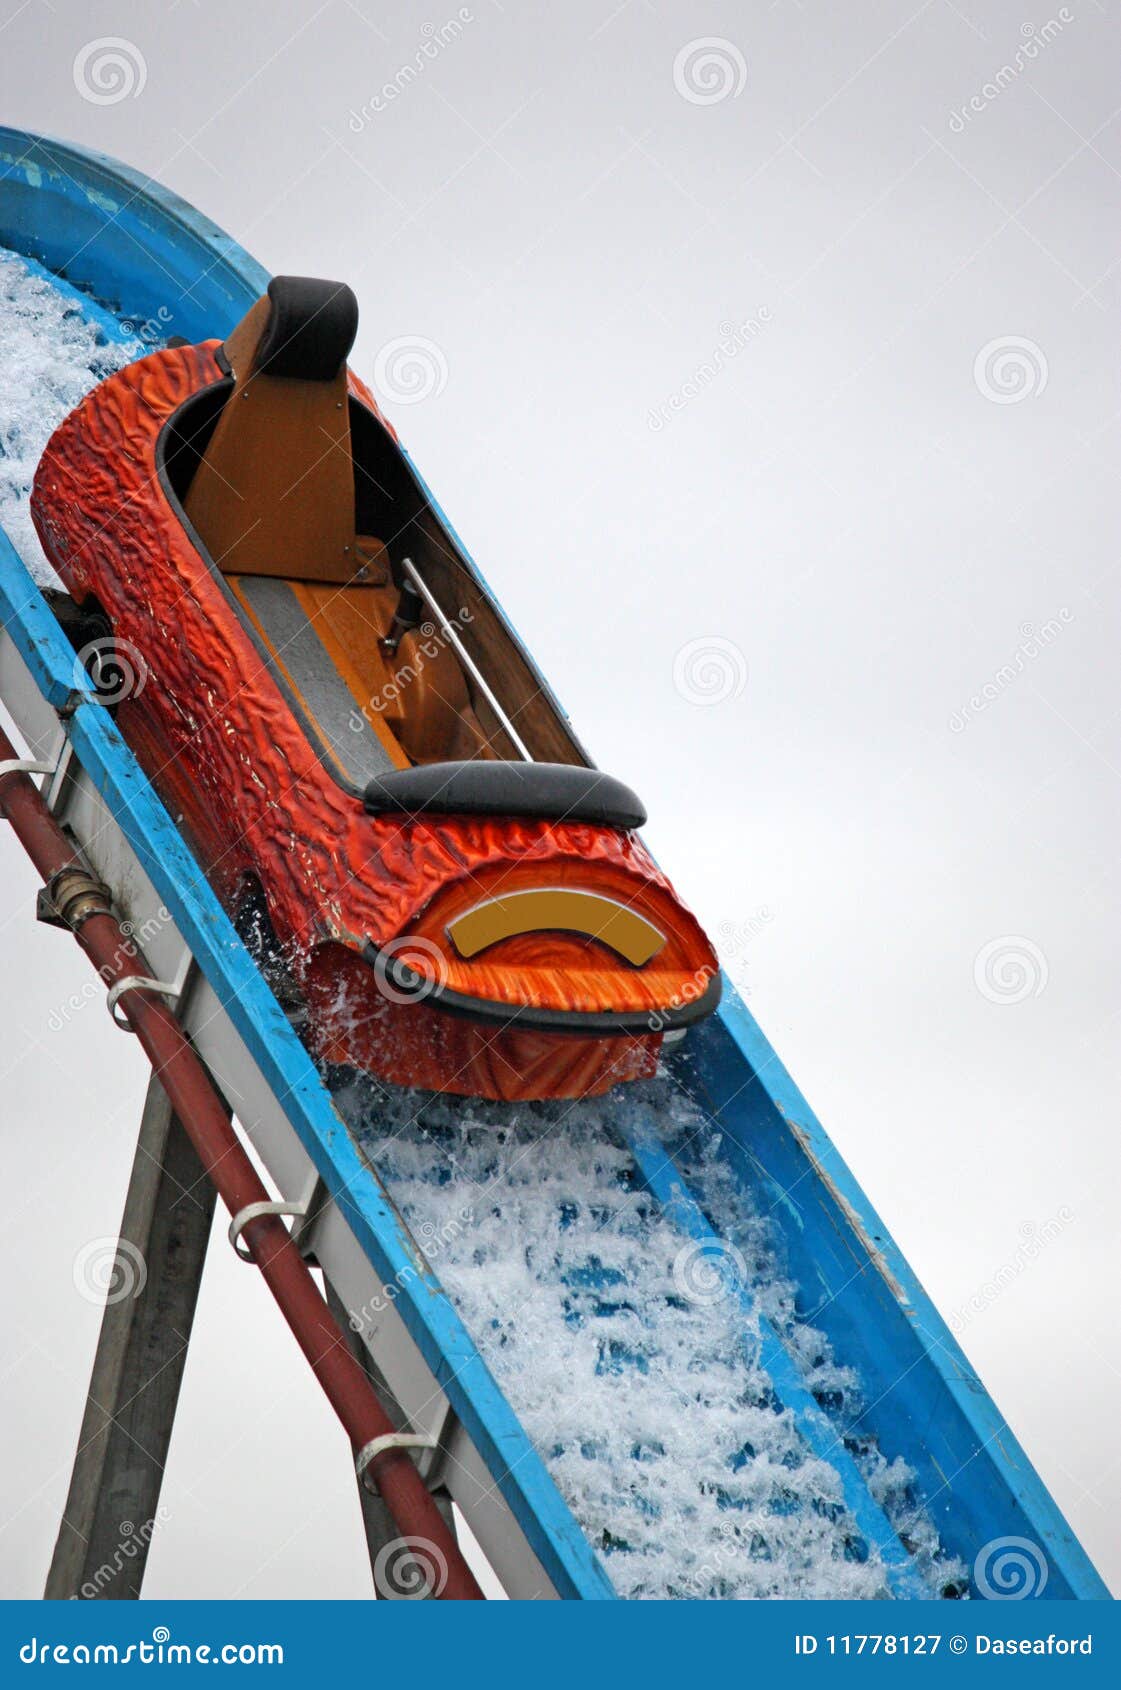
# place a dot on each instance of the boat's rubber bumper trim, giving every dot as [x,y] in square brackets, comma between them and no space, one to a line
[405,982]
[554,792]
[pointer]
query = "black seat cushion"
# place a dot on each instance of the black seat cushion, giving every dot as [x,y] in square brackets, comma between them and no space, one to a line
[544,791]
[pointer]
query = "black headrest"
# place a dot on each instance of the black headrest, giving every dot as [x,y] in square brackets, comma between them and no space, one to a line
[542,791]
[311,328]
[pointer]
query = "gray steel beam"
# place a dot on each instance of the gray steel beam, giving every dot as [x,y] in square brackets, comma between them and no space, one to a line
[112,1509]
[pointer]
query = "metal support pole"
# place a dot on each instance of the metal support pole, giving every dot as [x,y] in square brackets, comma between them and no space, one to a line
[112,1509]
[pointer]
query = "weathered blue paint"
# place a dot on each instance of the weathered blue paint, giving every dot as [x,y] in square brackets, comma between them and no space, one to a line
[148,256]
[114,233]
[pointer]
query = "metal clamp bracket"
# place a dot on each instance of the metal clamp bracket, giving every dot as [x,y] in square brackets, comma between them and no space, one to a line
[26,766]
[254,1212]
[55,766]
[305,1211]
[171,989]
[389,1440]
[132,983]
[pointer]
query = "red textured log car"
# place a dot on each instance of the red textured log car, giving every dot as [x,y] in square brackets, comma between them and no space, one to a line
[372,772]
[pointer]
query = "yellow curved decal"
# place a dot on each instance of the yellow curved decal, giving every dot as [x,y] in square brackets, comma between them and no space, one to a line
[626,932]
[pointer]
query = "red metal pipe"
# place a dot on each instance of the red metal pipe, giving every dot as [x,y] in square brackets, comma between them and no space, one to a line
[206,1122]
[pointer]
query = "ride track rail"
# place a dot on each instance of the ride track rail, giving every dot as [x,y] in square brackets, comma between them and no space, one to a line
[147,256]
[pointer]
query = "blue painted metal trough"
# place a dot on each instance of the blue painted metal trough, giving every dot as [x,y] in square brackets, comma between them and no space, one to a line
[149,258]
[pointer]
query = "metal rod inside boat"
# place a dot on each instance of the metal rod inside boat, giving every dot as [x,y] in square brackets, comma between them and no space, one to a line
[465,656]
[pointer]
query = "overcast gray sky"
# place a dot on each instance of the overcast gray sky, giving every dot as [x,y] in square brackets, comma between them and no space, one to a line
[896,496]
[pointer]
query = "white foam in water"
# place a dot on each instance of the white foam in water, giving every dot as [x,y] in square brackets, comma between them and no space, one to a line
[51,355]
[650,1409]
[648,1405]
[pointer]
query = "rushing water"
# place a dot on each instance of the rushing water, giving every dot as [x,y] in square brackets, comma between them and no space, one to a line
[51,354]
[637,1379]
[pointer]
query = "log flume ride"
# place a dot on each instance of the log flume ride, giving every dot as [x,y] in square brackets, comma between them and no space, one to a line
[345,868]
